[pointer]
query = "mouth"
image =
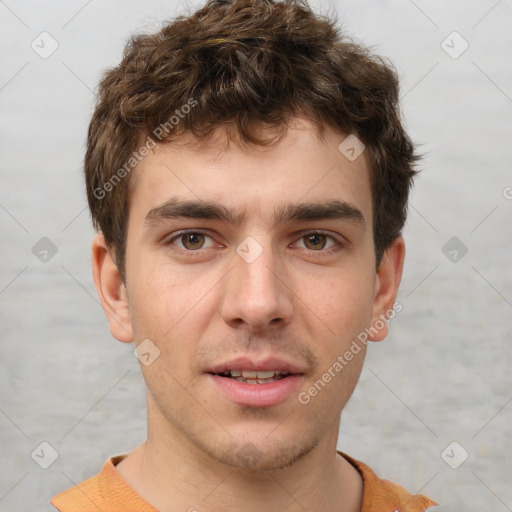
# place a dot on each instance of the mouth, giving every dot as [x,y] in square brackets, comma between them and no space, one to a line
[254,377]
[266,383]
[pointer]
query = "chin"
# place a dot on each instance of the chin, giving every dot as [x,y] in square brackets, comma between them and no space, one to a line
[263,455]
[254,440]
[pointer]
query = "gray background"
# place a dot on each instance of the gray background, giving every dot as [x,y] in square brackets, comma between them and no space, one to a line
[442,375]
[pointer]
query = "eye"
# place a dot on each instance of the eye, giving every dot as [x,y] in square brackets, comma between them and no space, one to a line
[190,240]
[318,241]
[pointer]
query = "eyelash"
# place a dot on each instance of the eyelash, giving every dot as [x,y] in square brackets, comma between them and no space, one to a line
[339,244]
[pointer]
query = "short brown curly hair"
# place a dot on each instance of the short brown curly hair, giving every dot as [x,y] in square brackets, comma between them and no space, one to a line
[245,63]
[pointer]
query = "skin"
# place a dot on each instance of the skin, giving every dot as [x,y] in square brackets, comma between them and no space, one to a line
[302,301]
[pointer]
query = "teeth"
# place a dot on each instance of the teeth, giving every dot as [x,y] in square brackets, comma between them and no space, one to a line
[255,377]
[246,374]
[265,375]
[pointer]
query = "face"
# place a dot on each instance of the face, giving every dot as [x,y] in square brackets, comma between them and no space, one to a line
[251,270]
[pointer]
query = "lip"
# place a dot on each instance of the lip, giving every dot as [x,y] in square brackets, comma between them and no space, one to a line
[256,395]
[249,364]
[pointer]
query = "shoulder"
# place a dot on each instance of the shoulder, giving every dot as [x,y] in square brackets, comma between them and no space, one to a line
[82,496]
[380,494]
[104,491]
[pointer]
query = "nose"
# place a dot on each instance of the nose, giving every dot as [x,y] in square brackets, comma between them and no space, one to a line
[256,295]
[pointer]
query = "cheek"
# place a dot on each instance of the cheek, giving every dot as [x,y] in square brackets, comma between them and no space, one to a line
[168,309]
[162,300]
[329,390]
[345,304]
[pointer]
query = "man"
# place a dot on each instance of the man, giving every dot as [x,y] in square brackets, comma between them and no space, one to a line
[249,174]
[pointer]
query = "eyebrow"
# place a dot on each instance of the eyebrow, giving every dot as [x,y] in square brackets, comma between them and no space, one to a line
[176,208]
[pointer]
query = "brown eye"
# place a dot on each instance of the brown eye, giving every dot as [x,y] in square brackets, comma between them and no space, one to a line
[315,241]
[189,242]
[192,241]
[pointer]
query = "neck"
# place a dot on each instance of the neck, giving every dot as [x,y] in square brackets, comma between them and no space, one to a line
[172,474]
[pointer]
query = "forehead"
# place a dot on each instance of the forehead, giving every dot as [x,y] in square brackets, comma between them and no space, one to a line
[304,166]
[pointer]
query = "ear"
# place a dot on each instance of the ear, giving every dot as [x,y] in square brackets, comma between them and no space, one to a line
[111,290]
[387,282]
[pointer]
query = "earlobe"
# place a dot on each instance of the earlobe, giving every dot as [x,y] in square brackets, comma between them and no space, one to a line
[111,290]
[388,280]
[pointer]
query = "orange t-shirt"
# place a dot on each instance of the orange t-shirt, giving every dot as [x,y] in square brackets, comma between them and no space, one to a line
[107,491]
